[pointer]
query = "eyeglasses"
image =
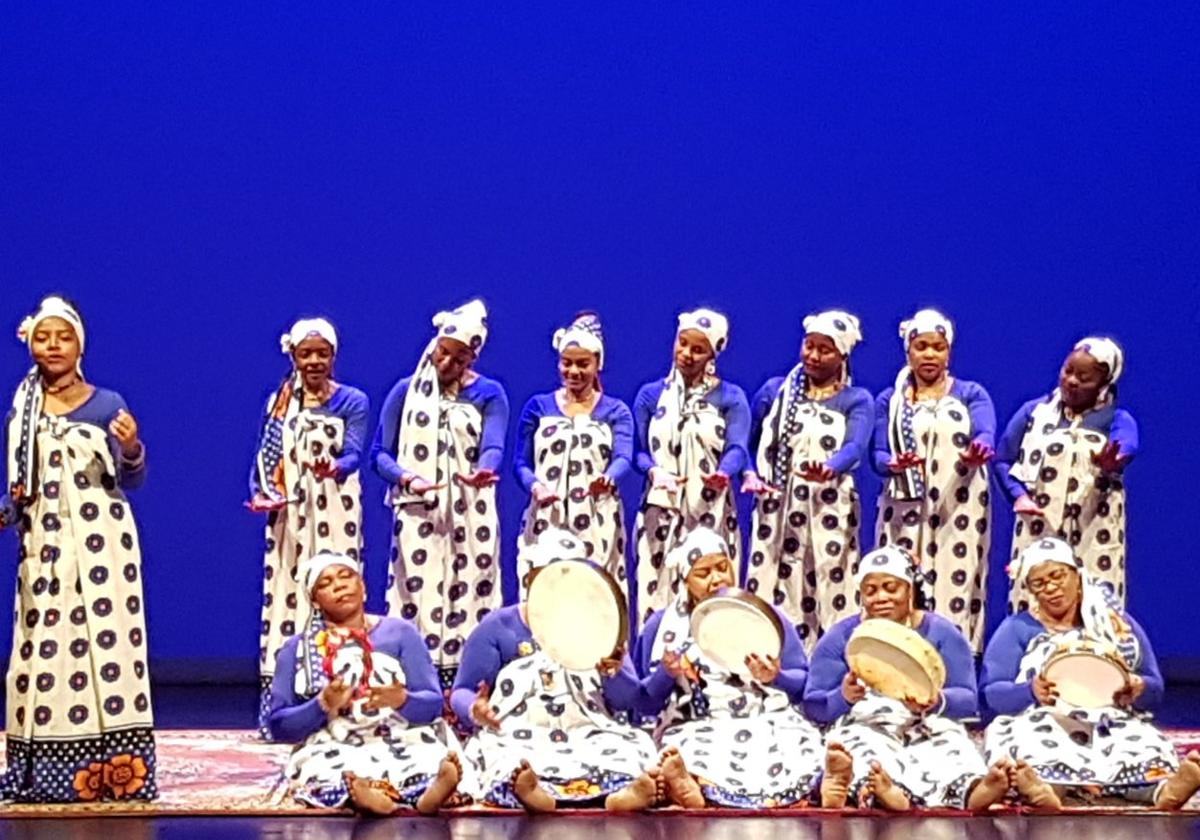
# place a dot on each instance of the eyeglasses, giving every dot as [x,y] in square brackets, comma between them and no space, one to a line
[1058,578]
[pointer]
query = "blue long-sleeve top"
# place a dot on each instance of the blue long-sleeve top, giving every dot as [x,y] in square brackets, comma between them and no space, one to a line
[292,719]
[1114,423]
[496,642]
[99,410]
[853,403]
[971,394]
[487,395]
[608,410]
[657,685]
[354,409]
[727,398]
[823,698]
[1003,695]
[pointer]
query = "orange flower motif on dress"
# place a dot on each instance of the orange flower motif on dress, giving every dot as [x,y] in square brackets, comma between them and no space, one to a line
[125,775]
[89,781]
[581,787]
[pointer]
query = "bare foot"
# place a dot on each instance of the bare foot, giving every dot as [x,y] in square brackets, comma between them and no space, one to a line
[839,769]
[529,791]
[1033,789]
[1183,783]
[682,788]
[443,786]
[887,794]
[992,787]
[638,795]
[369,797]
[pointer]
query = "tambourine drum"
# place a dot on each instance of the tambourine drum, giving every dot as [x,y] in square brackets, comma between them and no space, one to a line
[577,613]
[1086,674]
[733,624]
[895,661]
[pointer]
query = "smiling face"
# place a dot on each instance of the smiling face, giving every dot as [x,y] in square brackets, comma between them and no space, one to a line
[709,574]
[928,357]
[692,353]
[339,593]
[314,359]
[578,369]
[452,359]
[1057,588]
[886,596]
[1080,380]
[822,360]
[55,347]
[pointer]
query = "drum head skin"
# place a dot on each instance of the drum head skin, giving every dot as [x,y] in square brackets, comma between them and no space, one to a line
[576,613]
[1085,681]
[896,661]
[733,624]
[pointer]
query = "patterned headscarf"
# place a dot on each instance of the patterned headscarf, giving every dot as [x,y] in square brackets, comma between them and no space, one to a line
[315,650]
[316,565]
[1109,353]
[583,332]
[711,323]
[551,545]
[889,560]
[675,624]
[841,327]
[926,321]
[304,328]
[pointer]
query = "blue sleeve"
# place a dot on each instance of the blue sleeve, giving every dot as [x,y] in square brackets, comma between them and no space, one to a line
[656,684]
[1124,433]
[623,690]
[960,692]
[255,486]
[495,429]
[1152,697]
[356,416]
[881,448]
[737,431]
[998,685]
[481,662]
[644,406]
[527,425]
[621,462]
[793,664]
[760,407]
[1008,449]
[131,474]
[823,698]
[860,421]
[291,720]
[8,511]
[424,703]
[983,415]
[385,446]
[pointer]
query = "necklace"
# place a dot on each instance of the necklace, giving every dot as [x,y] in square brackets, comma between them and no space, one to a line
[58,389]
[824,392]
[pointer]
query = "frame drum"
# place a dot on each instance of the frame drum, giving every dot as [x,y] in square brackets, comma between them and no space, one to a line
[1086,674]
[577,613]
[896,661]
[733,624]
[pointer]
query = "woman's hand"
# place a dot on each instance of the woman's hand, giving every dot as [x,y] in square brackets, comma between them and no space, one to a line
[905,461]
[678,666]
[976,454]
[1028,506]
[764,669]
[1044,690]
[262,503]
[602,485]
[921,709]
[478,479]
[543,496]
[852,689]
[753,484]
[385,697]
[482,712]
[125,429]
[715,481]
[611,664]
[1109,458]
[663,480]
[816,473]
[335,697]
[1128,695]
[419,486]
[323,468]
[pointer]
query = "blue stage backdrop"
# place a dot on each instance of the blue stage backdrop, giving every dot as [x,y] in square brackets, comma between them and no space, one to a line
[199,176]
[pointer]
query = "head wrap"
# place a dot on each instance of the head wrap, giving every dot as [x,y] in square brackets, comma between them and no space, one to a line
[583,332]
[926,321]
[1107,352]
[468,324]
[889,560]
[318,644]
[700,542]
[312,568]
[713,325]
[841,327]
[304,328]
[52,306]
[550,545]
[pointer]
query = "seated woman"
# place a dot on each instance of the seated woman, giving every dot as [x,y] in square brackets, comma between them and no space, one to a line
[729,742]
[1114,750]
[360,697]
[897,754]
[548,736]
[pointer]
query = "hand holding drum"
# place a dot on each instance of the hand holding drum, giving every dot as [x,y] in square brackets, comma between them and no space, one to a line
[577,615]
[897,662]
[739,632]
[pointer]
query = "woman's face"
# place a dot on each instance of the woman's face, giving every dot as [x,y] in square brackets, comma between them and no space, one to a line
[692,353]
[339,593]
[1081,379]
[928,357]
[55,347]
[314,359]
[1057,588]
[709,574]
[452,359]
[886,596]
[578,368]
[822,361]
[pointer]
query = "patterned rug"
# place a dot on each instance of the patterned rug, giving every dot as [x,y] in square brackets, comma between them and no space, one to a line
[212,772]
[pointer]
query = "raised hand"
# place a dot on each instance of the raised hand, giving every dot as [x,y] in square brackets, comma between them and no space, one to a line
[815,472]
[482,712]
[1044,690]
[1109,458]
[125,429]
[976,454]
[335,697]
[852,689]
[763,668]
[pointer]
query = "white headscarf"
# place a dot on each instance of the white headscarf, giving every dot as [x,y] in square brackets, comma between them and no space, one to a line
[52,306]
[926,321]
[315,566]
[583,332]
[1107,352]
[551,545]
[674,628]
[889,560]
[841,327]
[304,328]
[468,324]
[713,324]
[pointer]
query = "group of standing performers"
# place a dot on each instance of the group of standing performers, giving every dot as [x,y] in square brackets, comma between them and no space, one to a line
[363,694]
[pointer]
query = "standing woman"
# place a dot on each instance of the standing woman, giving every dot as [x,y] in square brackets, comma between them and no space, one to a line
[933,438]
[1061,463]
[692,434]
[439,445]
[79,723]
[576,443]
[305,478]
[813,430]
